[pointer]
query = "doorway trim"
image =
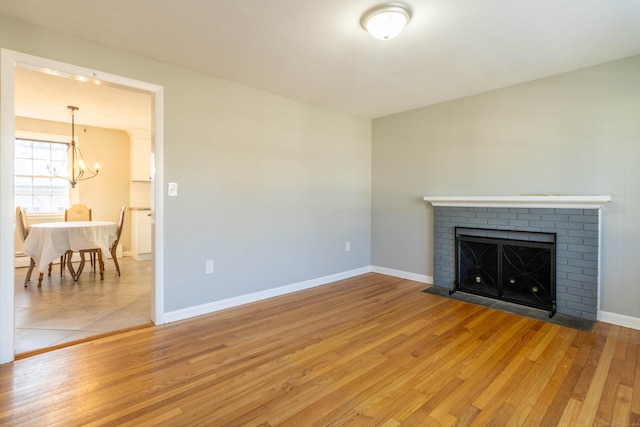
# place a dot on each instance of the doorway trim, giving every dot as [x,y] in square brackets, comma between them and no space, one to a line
[8,61]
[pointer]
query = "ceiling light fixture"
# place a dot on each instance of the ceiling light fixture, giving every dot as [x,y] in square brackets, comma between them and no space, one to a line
[73,156]
[386,21]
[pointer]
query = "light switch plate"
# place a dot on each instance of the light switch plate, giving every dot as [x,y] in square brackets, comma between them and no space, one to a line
[173,189]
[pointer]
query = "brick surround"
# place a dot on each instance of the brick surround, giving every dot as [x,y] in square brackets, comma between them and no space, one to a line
[576,250]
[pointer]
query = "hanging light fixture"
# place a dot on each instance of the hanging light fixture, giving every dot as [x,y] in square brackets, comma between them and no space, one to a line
[73,161]
[386,21]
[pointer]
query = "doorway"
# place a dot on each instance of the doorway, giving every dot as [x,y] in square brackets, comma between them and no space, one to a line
[9,61]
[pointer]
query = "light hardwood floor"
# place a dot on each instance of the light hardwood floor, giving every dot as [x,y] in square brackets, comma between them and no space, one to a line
[63,311]
[371,350]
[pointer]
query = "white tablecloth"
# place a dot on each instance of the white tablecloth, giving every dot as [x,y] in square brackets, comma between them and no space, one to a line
[48,241]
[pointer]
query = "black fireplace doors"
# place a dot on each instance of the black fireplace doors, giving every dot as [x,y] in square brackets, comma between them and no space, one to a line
[514,266]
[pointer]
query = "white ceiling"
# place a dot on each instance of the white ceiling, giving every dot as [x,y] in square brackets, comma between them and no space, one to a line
[316,51]
[45,96]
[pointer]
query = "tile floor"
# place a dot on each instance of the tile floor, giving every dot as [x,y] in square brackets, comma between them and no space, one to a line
[63,310]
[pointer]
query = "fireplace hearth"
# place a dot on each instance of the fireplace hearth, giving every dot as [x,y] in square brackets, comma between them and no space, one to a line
[514,266]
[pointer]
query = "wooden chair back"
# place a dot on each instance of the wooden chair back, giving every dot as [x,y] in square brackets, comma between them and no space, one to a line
[77,212]
[23,228]
[22,223]
[114,245]
[119,225]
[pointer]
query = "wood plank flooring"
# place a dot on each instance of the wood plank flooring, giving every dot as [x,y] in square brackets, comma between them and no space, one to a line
[372,350]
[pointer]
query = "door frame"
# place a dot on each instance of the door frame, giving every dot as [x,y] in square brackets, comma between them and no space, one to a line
[9,60]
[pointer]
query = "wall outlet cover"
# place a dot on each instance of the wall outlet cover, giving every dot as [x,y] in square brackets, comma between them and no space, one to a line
[173,189]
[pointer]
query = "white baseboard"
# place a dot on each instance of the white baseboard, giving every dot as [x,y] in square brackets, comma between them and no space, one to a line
[619,319]
[141,257]
[22,261]
[403,274]
[211,307]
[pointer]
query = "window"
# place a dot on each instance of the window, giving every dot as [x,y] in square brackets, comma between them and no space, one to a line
[35,189]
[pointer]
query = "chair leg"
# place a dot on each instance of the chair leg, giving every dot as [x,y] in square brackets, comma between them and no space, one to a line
[28,278]
[115,260]
[50,268]
[92,260]
[101,264]
[62,261]
[74,273]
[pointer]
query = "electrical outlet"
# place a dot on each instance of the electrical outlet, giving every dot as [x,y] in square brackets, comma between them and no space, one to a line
[347,246]
[208,266]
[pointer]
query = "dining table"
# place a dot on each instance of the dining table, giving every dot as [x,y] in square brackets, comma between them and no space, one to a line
[48,241]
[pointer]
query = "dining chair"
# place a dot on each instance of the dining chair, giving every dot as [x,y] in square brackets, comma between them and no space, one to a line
[23,228]
[114,245]
[77,212]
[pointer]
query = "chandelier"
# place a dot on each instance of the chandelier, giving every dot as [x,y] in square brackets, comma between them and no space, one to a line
[73,161]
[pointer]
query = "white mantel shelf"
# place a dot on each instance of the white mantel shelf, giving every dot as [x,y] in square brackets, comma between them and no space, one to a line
[540,201]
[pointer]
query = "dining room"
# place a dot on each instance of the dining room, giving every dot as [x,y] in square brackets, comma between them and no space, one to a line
[88,287]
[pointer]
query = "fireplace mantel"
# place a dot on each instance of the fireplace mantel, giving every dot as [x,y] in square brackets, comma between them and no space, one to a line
[534,201]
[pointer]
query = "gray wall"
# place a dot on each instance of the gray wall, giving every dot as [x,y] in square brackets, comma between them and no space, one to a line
[576,133]
[270,188]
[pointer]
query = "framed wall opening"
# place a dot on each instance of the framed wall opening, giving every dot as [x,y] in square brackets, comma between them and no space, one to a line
[9,60]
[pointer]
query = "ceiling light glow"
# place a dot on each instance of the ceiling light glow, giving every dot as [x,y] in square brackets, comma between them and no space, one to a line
[386,21]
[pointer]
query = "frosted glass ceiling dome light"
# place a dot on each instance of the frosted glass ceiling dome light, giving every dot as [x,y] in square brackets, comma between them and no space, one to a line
[386,21]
